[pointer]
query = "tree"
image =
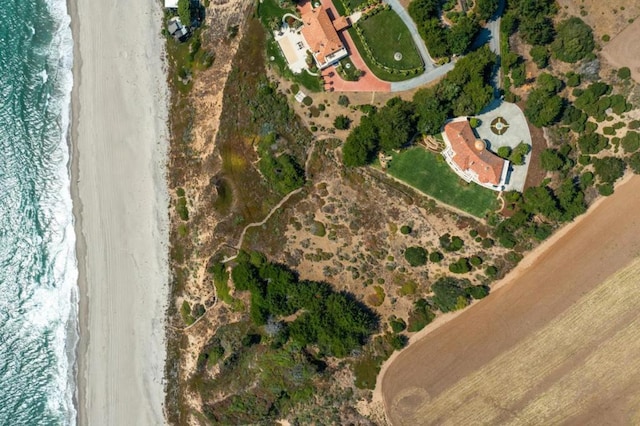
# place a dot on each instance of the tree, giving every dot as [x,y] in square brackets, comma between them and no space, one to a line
[447,290]
[416,256]
[540,200]
[609,169]
[592,143]
[361,145]
[543,108]
[486,8]
[574,40]
[395,123]
[519,152]
[540,56]
[624,73]
[631,142]
[551,160]
[342,122]
[461,35]
[435,256]
[431,113]
[184,12]
[634,162]
[537,31]
[549,83]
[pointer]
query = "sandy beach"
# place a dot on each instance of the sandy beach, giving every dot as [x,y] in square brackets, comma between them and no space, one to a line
[564,280]
[119,142]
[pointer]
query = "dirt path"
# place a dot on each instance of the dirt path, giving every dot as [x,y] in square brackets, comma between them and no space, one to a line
[546,345]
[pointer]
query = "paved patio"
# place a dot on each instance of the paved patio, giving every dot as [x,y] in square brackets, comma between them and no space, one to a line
[294,48]
[516,131]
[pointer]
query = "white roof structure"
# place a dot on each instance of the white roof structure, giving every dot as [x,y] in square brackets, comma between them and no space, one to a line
[170,4]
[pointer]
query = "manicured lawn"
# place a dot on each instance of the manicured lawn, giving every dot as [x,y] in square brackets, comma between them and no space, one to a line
[381,73]
[386,34]
[430,174]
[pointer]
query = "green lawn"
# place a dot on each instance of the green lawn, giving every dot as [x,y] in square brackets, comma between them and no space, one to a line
[429,173]
[386,34]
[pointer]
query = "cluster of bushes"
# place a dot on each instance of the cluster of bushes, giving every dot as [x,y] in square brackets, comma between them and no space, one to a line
[420,316]
[334,322]
[444,41]
[544,106]
[463,91]
[451,244]
[451,294]
[281,171]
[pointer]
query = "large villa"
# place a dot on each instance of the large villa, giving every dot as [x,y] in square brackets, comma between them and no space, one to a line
[318,34]
[321,35]
[469,157]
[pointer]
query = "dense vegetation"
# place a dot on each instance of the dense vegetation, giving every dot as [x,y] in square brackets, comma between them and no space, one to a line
[333,322]
[443,40]
[463,91]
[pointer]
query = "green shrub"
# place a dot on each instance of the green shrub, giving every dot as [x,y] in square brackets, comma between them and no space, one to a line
[609,169]
[420,316]
[447,291]
[491,271]
[451,244]
[624,73]
[342,122]
[435,256]
[461,266]
[574,40]
[475,260]
[504,152]
[573,79]
[181,208]
[343,101]
[605,189]
[295,88]
[405,229]
[307,100]
[634,162]
[397,325]
[478,291]
[416,256]
[185,311]
[631,142]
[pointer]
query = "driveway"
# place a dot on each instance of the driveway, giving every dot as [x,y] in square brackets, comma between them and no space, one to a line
[517,131]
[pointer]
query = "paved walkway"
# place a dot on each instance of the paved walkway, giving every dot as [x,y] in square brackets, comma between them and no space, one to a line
[518,131]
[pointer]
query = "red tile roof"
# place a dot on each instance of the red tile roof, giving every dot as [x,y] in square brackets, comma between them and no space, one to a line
[319,33]
[470,153]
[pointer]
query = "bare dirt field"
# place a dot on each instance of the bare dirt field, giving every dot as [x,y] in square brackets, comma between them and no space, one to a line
[624,50]
[557,343]
[605,17]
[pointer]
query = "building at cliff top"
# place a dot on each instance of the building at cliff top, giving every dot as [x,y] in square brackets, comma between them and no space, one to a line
[321,35]
[469,157]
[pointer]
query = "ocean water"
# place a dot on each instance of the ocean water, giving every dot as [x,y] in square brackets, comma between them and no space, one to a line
[38,268]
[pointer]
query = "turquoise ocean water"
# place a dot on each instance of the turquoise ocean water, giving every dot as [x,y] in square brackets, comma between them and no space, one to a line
[38,273]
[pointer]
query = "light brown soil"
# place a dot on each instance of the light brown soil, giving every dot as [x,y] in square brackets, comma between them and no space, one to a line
[557,343]
[624,50]
[605,17]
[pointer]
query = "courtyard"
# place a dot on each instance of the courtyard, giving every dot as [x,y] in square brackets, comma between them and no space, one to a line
[503,124]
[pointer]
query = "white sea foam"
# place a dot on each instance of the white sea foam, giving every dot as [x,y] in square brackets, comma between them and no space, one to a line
[61,236]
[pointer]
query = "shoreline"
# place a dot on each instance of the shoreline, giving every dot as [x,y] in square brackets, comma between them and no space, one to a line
[534,257]
[79,367]
[79,397]
[120,355]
